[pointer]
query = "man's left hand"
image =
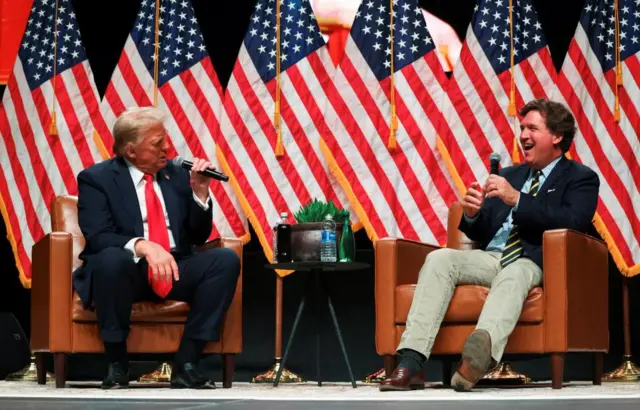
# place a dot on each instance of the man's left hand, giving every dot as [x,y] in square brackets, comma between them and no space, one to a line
[498,187]
[200,182]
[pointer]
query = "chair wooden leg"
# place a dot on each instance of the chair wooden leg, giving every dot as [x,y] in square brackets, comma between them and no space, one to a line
[60,369]
[389,364]
[557,370]
[227,370]
[446,373]
[597,368]
[41,370]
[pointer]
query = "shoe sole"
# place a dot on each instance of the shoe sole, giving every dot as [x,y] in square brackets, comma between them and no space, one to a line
[115,387]
[477,352]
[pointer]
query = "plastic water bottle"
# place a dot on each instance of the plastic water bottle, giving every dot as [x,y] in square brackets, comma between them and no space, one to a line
[328,240]
[283,219]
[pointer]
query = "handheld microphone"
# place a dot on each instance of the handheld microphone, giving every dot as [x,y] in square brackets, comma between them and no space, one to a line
[494,160]
[212,173]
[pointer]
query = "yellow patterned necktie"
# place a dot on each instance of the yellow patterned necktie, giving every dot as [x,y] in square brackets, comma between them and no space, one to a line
[513,248]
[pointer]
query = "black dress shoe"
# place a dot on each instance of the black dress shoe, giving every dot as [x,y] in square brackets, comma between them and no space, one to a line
[116,378]
[187,376]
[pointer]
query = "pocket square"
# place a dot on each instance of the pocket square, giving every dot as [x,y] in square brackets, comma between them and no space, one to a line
[550,190]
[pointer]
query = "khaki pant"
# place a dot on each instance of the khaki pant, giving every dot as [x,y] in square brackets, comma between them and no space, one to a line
[446,268]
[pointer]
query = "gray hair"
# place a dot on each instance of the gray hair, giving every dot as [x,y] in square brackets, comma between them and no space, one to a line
[131,123]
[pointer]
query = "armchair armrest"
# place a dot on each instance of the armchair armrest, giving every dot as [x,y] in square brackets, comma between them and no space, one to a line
[51,293]
[575,276]
[397,262]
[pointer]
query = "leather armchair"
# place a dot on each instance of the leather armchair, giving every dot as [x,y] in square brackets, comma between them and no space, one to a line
[60,324]
[568,313]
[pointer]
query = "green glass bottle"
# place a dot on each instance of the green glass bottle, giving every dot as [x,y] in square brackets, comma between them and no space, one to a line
[346,251]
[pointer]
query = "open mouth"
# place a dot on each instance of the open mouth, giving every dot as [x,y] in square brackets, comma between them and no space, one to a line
[527,146]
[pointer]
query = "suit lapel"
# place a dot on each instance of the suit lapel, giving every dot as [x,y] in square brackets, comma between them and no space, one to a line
[128,191]
[555,174]
[170,201]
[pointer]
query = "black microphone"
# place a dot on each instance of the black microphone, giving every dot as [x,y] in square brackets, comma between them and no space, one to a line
[494,160]
[212,173]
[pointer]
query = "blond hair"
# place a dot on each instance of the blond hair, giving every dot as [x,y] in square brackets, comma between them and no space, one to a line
[131,123]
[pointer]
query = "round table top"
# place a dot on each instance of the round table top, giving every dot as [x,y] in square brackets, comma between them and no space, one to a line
[326,266]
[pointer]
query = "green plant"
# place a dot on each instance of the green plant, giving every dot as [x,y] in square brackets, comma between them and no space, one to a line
[316,210]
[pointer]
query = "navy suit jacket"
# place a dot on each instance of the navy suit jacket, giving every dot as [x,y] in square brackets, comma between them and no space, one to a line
[567,200]
[109,213]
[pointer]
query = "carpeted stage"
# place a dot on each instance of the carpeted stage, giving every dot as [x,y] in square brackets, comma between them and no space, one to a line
[308,396]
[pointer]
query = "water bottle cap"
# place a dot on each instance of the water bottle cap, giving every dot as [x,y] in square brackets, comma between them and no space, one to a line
[328,216]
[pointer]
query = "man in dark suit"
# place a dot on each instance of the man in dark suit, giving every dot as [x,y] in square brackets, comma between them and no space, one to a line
[141,216]
[507,216]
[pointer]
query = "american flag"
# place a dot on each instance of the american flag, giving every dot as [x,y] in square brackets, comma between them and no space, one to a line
[480,90]
[268,184]
[51,79]
[188,90]
[588,83]
[402,192]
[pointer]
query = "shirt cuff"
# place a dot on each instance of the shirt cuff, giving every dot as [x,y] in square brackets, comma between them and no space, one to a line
[515,207]
[131,247]
[205,207]
[470,220]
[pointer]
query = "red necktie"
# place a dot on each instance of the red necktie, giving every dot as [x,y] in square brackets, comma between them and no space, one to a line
[158,232]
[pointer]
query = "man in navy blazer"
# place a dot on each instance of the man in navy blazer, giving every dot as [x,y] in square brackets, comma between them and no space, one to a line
[141,216]
[507,216]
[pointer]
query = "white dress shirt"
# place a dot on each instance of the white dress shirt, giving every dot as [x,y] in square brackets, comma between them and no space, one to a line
[139,183]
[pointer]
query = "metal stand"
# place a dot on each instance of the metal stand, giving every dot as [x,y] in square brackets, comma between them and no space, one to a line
[627,371]
[270,375]
[317,298]
[161,375]
[29,373]
[376,377]
[504,374]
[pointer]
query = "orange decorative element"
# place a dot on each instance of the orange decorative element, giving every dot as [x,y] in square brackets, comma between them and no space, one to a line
[13,20]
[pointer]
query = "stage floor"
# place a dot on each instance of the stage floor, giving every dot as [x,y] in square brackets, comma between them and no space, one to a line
[308,396]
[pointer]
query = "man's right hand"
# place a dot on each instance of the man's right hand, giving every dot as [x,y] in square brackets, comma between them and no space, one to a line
[161,262]
[473,200]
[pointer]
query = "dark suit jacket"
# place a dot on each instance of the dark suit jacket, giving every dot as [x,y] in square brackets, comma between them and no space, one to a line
[567,200]
[109,213]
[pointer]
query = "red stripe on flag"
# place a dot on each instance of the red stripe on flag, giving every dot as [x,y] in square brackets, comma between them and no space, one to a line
[92,104]
[266,122]
[591,140]
[16,230]
[133,82]
[20,180]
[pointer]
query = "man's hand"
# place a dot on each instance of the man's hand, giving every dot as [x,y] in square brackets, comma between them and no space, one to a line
[498,187]
[161,262]
[200,183]
[473,200]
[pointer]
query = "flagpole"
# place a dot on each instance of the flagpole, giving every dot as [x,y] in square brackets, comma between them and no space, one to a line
[279,151]
[156,55]
[391,145]
[53,127]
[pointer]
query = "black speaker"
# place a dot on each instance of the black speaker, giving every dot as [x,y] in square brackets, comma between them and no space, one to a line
[15,353]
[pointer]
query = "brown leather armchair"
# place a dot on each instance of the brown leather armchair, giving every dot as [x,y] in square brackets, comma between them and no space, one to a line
[60,324]
[569,313]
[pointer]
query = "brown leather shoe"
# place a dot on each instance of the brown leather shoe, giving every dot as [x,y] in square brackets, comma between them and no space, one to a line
[400,380]
[475,363]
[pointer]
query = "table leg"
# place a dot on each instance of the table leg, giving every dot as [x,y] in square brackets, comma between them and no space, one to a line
[339,334]
[293,333]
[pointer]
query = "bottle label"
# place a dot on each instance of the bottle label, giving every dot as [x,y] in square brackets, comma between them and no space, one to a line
[328,236]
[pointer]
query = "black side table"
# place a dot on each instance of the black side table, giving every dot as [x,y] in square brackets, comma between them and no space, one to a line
[318,296]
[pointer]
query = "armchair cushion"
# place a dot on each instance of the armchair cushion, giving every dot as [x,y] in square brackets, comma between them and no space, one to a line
[169,311]
[466,304]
